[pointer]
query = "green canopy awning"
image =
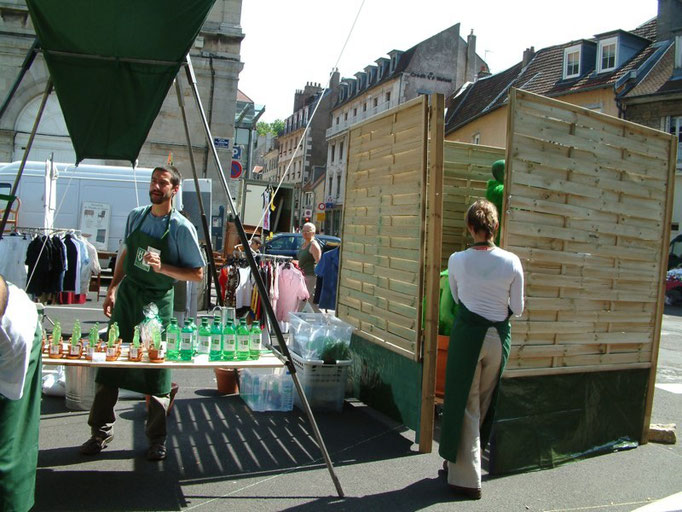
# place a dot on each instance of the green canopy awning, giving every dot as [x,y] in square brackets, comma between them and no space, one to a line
[112,63]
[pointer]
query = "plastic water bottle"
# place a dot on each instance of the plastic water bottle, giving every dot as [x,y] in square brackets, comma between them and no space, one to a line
[216,352]
[173,340]
[255,341]
[186,342]
[243,341]
[229,341]
[204,345]
[195,335]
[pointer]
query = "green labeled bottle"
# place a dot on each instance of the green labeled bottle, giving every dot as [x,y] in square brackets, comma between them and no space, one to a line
[186,340]
[243,341]
[195,335]
[229,341]
[204,345]
[76,333]
[255,341]
[216,353]
[173,340]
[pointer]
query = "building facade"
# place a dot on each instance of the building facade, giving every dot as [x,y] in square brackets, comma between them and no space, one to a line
[301,150]
[439,64]
[216,60]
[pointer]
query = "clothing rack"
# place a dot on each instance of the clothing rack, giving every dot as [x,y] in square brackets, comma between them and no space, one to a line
[42,231]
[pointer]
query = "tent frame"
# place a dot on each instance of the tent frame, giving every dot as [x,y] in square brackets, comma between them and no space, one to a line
[283,354]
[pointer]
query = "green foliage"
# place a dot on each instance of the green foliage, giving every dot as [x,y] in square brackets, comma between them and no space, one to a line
[276,127]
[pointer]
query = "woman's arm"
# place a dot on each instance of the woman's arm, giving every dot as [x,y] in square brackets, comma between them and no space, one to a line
[315,250]
[516,289]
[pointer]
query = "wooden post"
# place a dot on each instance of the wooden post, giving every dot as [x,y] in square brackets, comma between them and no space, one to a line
[432,271]
[670,195]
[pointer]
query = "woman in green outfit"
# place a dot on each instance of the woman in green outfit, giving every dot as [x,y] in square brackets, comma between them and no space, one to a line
[161,247]
[308,256]
[487,283]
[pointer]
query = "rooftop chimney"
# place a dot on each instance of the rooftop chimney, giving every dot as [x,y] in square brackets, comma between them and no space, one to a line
[669,19]
[528,55]
[471,57]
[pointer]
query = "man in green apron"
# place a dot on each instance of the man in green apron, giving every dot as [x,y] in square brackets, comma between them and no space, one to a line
[20,378]
[161,247]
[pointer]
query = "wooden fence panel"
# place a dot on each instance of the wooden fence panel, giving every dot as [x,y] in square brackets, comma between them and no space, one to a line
[381,272]
[466,171]
[588,201]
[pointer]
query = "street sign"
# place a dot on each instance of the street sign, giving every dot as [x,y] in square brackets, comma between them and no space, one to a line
[221,142]
[235,169]
[321,206]
[320,216]
[237,152]
[307,212]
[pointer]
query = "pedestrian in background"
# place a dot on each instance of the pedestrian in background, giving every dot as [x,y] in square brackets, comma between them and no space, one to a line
[308,256]
[20,386]
[487,282]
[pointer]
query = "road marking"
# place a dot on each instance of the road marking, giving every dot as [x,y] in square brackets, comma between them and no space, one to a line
[669,504]
[672,388]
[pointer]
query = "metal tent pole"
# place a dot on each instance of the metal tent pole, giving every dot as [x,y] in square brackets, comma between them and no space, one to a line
[13,193]
[30,57]
[259,282]
[204,222]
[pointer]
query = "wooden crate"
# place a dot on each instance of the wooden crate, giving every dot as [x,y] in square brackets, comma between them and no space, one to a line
[588,200]
[381,269]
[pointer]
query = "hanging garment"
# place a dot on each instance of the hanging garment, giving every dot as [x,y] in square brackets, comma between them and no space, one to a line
[244,289]
[328,269]
[13,259]
[71,280]
[92,267]
[292,291]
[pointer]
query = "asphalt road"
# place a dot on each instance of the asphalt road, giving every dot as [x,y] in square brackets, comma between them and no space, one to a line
[224,457]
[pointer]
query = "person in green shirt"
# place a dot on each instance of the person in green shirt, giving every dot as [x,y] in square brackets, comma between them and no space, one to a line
[161,247]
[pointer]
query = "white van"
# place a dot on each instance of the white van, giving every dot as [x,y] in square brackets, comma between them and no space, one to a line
[90,198]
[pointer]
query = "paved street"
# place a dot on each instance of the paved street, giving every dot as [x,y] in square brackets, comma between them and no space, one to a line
[224,457]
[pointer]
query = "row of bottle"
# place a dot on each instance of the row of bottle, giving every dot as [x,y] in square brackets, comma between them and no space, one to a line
[220,342]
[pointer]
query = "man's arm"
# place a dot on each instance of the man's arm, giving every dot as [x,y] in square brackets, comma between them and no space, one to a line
[179,273]
[119,274]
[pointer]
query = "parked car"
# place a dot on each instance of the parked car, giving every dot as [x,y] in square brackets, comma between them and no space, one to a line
[288,244]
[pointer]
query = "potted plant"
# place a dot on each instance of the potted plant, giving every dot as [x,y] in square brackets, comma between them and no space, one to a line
[55,342]
[135,350]
[156,352]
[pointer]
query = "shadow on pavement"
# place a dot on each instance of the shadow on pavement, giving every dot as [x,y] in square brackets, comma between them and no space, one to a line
[675,310]
[209,440]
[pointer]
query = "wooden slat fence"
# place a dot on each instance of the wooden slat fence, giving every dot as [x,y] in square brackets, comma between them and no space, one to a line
[466,171]
[588,201]
[382,259]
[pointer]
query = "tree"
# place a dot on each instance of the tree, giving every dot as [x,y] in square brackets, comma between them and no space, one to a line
[276,127]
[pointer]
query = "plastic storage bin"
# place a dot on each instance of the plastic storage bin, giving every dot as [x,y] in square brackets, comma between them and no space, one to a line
[267,389]
[324,385]
[319,336]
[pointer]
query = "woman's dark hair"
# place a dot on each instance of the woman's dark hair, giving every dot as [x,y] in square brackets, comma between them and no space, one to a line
[482,217]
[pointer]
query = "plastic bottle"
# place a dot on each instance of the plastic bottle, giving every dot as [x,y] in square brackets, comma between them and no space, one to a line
[204,344]
[186,340]
[216,353]
[229,341]
[243,341]
[255,341]
[173,340]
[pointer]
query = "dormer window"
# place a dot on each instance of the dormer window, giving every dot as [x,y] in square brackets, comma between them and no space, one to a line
[678,51]
[607,56]
[572,61]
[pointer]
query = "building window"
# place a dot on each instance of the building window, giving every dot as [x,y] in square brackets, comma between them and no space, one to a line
[476,139]
[375,101]
[338,185]
[340,150]
[345,116]
[338,118]
[364,107]
[308,199]
[388,97]
[355,112]
[675,127]
[607,54]
[678,51]
[572,61]
[333,148]
[329,192]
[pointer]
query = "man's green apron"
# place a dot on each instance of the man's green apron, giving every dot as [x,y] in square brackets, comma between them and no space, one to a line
[466,340]
[19,421]
[140,286]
